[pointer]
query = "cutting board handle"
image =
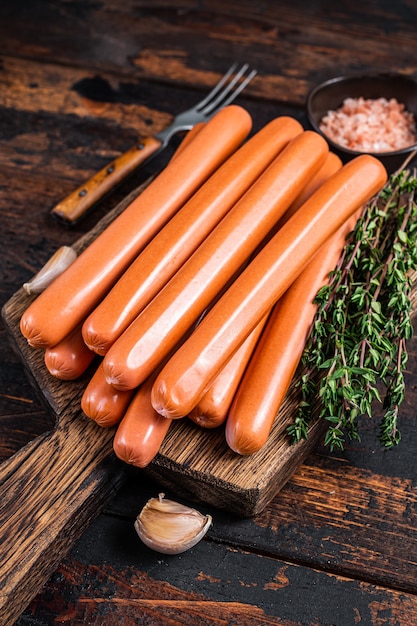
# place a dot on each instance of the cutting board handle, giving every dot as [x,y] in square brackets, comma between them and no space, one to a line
[52,488]
[50,491]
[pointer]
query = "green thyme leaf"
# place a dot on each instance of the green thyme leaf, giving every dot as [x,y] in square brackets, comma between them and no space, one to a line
[357,345]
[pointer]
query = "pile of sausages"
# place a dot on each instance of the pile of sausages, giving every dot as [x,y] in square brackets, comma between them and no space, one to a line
[198,298]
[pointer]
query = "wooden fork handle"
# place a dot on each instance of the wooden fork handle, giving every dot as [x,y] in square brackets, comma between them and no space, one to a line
[82,199]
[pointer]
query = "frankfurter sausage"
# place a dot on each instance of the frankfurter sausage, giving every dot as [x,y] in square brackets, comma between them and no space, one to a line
[188,373]
[70,358]
[72,296]
[211,411]
[142,430]
[162,324]
[278,353]
[180,237]
[103,403]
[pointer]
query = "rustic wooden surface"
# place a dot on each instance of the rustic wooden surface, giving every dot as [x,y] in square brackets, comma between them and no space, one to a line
[78,83]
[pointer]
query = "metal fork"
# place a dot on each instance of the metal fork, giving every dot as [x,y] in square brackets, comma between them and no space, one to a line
[82,199]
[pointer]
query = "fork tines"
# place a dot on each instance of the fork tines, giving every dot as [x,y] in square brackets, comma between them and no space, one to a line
[232,88]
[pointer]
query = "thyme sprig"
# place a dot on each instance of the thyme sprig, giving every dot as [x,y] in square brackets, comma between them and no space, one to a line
[357,346]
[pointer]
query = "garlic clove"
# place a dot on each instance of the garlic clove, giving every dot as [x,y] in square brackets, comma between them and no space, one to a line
[59,261]
[169,527]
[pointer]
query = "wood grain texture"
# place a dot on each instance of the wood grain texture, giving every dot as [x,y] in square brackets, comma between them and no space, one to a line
[79,81]
[219,585]
[53,486]
[42,487]
[328,530]
[292,45]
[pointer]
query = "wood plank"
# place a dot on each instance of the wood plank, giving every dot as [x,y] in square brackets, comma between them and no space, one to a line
[292,47]
[55,137]
[48,88]
[335,517]
[122,579]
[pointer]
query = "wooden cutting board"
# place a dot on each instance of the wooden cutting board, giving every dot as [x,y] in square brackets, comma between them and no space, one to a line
[55,486]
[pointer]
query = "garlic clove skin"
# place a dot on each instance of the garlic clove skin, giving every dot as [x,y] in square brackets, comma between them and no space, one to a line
[59,261]
[169,527]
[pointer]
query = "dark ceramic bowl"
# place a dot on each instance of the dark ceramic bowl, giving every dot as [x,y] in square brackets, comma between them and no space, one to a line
[330,95]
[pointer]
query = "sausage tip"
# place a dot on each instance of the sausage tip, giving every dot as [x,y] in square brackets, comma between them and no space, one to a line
[163,401]
[243,443]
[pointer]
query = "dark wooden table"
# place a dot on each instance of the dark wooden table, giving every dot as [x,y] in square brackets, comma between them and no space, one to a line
[78,83]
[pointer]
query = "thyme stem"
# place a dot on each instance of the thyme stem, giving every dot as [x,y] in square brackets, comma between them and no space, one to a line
[358,340]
